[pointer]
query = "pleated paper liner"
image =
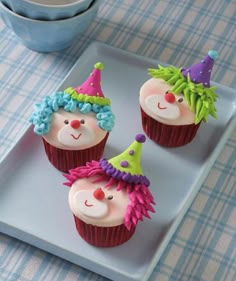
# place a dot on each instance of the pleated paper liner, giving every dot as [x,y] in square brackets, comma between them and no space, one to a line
[103,236]
[168,135]
[64,160]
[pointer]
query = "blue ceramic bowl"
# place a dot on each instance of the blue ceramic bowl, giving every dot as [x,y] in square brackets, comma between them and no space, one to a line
[47,9]
[48,36]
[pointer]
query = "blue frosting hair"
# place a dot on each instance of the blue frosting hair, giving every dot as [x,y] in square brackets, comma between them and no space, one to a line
[42,116]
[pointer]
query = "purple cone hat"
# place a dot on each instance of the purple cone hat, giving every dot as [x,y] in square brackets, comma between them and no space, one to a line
[127,165]
[201,72]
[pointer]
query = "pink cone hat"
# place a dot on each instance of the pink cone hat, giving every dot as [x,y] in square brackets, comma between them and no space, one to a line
[90,90]
[92,86]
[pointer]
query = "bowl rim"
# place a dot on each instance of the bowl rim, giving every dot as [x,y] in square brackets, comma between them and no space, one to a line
[92,6]
[57,6]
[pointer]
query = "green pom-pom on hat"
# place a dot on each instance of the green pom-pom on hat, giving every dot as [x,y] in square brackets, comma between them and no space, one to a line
[99,65]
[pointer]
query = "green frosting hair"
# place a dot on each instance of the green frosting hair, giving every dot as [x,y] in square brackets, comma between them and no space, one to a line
[201,100]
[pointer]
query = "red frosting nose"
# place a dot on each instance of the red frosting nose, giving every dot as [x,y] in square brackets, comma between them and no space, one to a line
[169,97]
[98,194]
[75,124]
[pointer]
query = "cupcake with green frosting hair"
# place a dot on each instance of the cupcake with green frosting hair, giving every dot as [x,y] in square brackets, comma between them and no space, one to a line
[175,101]
[75,123]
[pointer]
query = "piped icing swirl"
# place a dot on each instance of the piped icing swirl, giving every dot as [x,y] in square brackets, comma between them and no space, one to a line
[82,97]
[42,116]
[200,99]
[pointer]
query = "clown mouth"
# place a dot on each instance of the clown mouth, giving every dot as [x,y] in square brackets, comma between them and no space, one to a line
[86,203]
[74,137]
[160,107]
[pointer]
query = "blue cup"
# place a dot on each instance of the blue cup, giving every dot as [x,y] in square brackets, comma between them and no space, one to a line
[48,36]
[47,9]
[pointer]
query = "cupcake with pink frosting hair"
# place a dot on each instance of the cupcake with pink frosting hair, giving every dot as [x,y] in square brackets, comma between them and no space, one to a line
[109,197]
[75,123]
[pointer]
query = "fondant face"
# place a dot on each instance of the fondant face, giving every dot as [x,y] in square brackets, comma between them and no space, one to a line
[74,131]
[97,205]
[162,105]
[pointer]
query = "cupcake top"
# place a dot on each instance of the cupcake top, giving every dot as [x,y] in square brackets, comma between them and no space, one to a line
[111,192]
[76,118]
[180,96]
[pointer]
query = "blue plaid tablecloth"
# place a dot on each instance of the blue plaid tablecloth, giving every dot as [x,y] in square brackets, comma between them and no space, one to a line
[176,32]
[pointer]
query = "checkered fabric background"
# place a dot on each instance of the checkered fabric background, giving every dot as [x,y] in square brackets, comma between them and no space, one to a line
[176,32]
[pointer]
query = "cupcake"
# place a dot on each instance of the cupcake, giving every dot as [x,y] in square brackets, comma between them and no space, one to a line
[175,101]
[109,197]
[75,123]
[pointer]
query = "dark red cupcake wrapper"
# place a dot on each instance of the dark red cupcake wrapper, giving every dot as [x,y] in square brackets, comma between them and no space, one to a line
[65,160]
[168,135]
[103,236]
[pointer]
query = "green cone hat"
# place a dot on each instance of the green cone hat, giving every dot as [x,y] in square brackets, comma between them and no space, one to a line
[127,165]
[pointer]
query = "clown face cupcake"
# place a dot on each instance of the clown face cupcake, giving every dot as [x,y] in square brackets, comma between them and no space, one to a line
[175,101]
[74,124]
[109,197]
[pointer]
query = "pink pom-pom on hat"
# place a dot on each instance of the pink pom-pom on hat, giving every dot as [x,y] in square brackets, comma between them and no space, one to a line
[92,86]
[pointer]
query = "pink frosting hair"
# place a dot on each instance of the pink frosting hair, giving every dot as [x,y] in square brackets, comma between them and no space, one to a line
[140,198]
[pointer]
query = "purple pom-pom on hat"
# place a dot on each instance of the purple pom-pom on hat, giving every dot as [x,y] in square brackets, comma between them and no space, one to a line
[140,138]
[201,72]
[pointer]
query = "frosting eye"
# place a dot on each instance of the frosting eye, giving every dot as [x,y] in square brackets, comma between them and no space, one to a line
[66,122]
[82,121]
[180,100]
[110,197]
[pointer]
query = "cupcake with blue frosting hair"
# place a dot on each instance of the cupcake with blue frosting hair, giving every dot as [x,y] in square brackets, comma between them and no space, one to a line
[175,101]
[75,123]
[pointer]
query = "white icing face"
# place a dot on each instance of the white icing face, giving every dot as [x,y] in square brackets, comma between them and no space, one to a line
[97,205]
[162,108]
[159,103]
[87,203]
[74,131]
